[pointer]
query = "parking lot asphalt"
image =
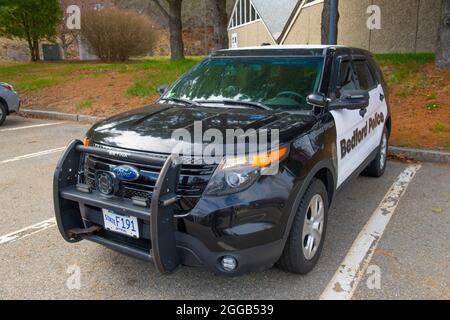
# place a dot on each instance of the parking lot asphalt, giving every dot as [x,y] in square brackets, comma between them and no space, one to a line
[411,260]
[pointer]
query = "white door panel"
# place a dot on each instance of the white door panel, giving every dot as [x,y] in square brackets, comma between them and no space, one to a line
[358,137]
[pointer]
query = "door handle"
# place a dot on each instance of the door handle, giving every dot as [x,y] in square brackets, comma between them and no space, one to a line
[382,97]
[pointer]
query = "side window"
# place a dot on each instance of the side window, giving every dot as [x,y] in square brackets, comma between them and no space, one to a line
[346,79]
[365,77]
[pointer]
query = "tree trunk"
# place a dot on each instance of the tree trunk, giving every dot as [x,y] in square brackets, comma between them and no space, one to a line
[64,45]
[31,48]
[29,39]
[65,49]
[37,55]
[443,42]
[176,30]
[220,19]
[326,27]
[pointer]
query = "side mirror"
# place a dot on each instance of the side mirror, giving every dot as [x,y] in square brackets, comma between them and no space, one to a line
[351,100]
[163,89]
[317,100]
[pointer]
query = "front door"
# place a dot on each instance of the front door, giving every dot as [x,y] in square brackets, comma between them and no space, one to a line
[357,134]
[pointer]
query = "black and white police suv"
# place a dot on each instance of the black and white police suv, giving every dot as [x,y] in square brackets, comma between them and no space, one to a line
[123,186]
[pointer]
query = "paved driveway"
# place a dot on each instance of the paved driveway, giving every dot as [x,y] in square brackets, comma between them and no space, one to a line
[411,259]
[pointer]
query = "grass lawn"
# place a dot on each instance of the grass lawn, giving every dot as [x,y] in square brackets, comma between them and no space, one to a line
[419,98]
[419,93]
[34,76]
[92,88]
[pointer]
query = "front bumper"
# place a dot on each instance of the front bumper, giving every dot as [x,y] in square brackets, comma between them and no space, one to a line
[79,216]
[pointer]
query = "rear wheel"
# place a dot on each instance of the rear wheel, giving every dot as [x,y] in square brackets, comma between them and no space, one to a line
[3,112]
[377,167]
[305,242]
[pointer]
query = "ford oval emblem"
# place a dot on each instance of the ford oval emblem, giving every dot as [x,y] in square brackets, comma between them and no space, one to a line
[126,173]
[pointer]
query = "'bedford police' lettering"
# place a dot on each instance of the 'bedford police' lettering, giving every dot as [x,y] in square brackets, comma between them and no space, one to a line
[347,145]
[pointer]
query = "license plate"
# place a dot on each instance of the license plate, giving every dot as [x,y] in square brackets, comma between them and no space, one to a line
[121,224]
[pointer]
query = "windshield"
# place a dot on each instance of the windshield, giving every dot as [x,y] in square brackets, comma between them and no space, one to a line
[278,83]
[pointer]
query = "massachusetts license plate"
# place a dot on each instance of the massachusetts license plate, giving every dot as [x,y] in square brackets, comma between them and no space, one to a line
[121,224]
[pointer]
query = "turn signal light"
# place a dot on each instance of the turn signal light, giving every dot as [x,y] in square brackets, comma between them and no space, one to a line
[265,160]
[86,142]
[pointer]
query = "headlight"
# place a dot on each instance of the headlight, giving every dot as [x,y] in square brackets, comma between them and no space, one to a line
[236,174]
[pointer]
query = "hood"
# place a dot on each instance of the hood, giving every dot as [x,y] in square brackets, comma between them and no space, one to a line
[151,129]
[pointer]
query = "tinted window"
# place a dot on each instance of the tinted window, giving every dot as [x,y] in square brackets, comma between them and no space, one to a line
[279,83]
[346,79]
[365,77]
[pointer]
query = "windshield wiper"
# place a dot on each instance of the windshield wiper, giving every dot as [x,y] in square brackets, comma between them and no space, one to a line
[229,102]
[183,101]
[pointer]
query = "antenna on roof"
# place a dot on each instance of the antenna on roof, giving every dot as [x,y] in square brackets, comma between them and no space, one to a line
[265,44]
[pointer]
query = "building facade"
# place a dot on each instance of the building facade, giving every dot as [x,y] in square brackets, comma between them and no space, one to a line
[376,25]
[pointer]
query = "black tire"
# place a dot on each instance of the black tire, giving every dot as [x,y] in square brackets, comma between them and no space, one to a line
[378,166]
[293,258]
[3,112]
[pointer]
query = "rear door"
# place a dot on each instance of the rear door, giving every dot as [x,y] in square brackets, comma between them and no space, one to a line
[357,134]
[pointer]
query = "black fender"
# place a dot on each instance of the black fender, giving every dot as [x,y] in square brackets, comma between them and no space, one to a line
[300,188]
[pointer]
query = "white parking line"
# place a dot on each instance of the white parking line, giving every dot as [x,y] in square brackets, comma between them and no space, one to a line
[33,155]
[28,231]
[33,126]
[351,270]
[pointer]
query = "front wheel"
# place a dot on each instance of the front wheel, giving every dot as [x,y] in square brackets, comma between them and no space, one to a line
[377,167]
[305,242]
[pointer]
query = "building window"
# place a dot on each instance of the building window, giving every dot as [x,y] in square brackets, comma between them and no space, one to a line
[244,12]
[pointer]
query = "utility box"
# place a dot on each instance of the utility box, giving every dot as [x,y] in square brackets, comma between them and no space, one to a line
[52,52]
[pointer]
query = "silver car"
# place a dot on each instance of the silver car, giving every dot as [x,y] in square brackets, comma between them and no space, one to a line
[9,101]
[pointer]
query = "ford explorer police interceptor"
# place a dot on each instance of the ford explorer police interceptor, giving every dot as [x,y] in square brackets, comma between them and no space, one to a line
[124,188]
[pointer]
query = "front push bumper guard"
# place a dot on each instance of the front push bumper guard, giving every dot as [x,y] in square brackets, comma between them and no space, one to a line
[67,191]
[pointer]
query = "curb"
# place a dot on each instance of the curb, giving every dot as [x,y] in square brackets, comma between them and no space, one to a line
[410,153]
[61,116]
[421,154]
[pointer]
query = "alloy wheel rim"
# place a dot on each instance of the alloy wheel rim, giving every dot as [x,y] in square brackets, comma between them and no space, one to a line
[313,227]
[383,154]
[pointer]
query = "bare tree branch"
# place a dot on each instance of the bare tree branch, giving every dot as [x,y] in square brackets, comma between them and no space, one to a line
[162,9]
